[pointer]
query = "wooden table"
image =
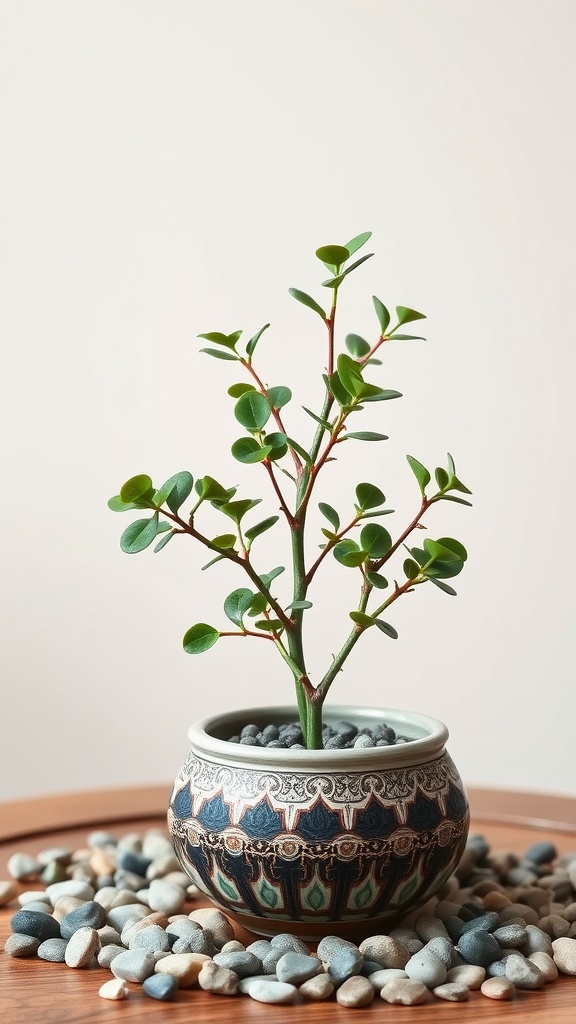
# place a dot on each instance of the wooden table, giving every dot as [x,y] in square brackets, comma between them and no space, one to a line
[35,992]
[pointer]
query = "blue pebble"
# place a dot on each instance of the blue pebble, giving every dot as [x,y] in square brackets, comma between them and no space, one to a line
[160,986]
[128,861]
[479,947]
[454,927]
[480,845]
[34,922]
[486,922]
[89,915]
[541,853]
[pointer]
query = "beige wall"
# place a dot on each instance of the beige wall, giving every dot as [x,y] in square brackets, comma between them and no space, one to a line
[169,168]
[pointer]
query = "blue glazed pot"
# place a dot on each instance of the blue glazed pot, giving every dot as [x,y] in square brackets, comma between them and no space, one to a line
[314,842]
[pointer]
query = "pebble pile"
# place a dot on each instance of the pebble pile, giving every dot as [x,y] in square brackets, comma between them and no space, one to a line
[341,736]
[499,925]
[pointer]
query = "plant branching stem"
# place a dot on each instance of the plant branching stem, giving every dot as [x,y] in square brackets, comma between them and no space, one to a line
[378,563]
[275,412]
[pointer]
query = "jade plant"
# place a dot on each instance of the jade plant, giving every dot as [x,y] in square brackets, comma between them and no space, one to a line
[362,546]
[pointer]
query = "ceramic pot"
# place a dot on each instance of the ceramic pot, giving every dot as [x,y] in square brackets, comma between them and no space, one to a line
[318,842]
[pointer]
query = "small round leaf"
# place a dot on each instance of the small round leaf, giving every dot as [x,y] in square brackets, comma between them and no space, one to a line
[135,488]
[369,496]
[252,410]
[200,638]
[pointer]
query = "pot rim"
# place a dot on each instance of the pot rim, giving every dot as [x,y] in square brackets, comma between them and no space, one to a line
[428,739]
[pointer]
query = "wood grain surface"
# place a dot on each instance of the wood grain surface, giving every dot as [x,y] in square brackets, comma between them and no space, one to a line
[35,992]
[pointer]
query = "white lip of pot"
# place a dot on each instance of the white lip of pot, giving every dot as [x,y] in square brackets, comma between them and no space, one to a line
[427,739]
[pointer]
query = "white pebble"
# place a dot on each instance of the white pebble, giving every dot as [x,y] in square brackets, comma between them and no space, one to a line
[114,989]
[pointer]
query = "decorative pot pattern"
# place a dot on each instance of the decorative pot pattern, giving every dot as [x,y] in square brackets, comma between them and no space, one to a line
[324,849]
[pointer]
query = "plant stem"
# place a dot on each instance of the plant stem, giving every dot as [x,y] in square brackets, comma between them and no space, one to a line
[275,412]
[378,563]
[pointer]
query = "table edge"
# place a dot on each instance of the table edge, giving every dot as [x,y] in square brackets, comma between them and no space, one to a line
[28,817]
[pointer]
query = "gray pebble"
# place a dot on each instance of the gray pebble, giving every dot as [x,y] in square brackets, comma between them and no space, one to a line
[537,941]
[219,980]
[89,915]
[443,948]
[156,844]
[523,973]
[22,866]
[32,922]
[330,946]
[285,942]
[108,953]
[408,938]
[182,927]
[129,880]
[152,940]
[363,742]
[296,968]
[34,896]
[100,838]
[196,942]
[80,890]
[243,964]
[427,968]
[61,854]
[479,947]
[345,964]
[133,965]
[260,948]
[487,922]
[386,950]
[40,907]
[53,950]
[160,986]
[427,927]
[108,935]
[55,872]
[510,935]
[118,917]
[272,992]
[18,945]
[81,947]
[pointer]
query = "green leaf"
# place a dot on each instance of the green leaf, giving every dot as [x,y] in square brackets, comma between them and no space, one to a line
[269,625]
[323,423]
[298,606]
[301,451]
[441,477]
[236,510]
[175,491]
[420,472]
[366,435]
[117,505]
[209,489]
[307,300]
[406,337]
[358,241]
[369,496]
[213,561]
[268,577]
[442,586]
[382,314]
[200,638]
[356,345]
[237,604]
[219,354]
[348,553]
[266,524]
[385,627]
[446,563]
[338,390]
[278,445]
[226,541]
[329,534]
[258,605]
[452,497]
[372,393]
[455,546]
[361,619]
[382,512]
[165,539]
[330,514]
[350,374]
[335,282]
[376,580]
[227,340]
[375,540]
[419,554]
[279,396]
[254,340]
[135,488]
[405,314]
[248,451]
[252,410]
[236,390]
[139,535]
[411,569]
[334,255]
